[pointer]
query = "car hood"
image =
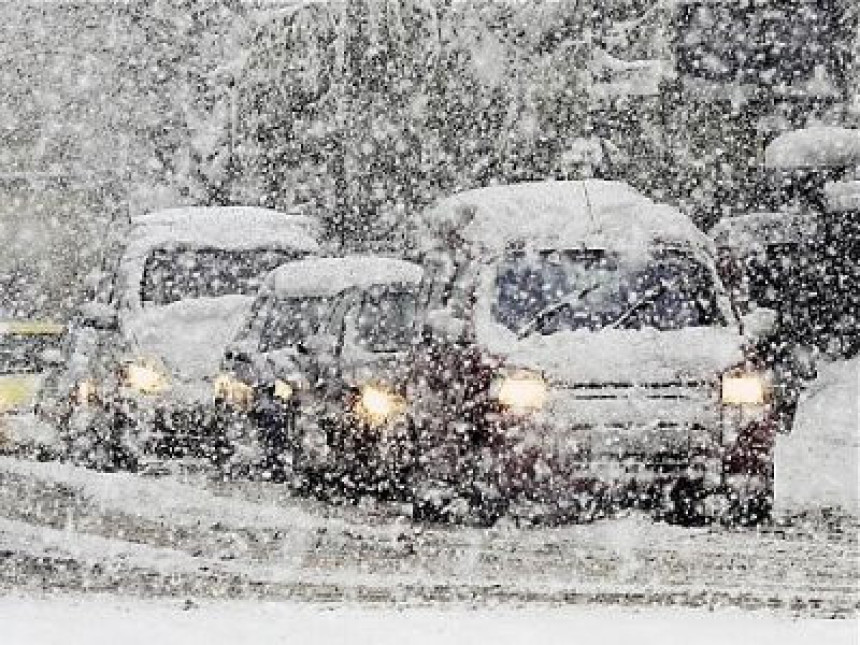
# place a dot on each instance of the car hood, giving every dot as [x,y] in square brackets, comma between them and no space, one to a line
[623,356]
[188,337]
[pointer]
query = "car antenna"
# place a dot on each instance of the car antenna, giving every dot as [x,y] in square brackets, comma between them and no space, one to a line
[589,207]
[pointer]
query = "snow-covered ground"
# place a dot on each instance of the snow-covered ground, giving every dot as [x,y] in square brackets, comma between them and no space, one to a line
[183,557]
[100,620]
[187,535]
[817,465]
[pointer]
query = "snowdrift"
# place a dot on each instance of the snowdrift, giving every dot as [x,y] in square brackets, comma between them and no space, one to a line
[816,465]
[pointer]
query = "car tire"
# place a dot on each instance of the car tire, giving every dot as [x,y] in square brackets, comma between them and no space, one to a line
[691,504]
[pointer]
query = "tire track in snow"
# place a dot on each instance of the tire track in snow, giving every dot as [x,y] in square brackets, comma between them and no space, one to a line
[78,530]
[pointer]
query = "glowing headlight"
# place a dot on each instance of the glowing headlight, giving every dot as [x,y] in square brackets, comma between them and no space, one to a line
[145,378]
[745,389]
[283,390]
[85,392]
[522,391]
[233,391]
[376,404]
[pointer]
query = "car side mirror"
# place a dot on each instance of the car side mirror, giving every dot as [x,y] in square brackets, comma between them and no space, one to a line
[98,315]
[444,324]
[803,362]
[758,323]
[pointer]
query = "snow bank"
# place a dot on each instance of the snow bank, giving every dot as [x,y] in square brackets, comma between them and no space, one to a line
[328,276]
[178,503]
[816,466]
[106,620]
[815,147]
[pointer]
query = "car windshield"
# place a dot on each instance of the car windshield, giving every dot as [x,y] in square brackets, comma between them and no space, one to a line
[289,321]
[553,291]
[22,354]
[386,320]
[171,275]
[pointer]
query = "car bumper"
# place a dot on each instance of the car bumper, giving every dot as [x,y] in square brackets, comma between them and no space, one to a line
[540,457]
[167,427]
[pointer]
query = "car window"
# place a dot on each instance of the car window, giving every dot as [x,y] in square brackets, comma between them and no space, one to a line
[289,321]
[171,275]
[386,319]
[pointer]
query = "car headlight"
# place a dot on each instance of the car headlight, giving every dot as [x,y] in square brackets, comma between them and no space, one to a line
[145,377]
[376,404]
[283,390]
[521,391]
[745,389]
[85,392]
[234,392]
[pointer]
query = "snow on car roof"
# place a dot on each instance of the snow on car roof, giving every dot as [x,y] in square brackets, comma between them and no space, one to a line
[814,147]
[843,196]
[193,215]
[745,232]
[224,227]
[561,214]
[329,276]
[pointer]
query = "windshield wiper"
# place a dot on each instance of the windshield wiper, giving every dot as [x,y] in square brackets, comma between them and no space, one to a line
[648,297]
[536,321]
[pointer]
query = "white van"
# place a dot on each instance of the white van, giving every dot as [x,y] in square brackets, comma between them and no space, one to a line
[582,350]
[143,366]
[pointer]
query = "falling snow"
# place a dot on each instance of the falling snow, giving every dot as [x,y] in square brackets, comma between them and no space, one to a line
[429,320]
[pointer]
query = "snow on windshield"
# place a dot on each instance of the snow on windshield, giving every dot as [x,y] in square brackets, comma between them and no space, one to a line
[553,291]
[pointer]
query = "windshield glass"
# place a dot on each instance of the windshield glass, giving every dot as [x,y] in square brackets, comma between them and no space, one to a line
[22,354]
[552,291]
[171,275]
[289,321]
[386,320]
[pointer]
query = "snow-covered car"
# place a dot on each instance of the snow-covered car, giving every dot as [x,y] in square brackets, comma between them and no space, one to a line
[800,258]
[303,378]
[761,255]
[579,350]
[143,363]
[29,349]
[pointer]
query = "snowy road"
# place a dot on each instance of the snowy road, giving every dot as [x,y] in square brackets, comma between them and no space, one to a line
[69,530]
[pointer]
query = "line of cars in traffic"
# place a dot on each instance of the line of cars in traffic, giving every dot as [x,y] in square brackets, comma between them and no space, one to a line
[552,351]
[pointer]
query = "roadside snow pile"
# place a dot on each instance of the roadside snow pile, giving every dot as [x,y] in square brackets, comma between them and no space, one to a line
[816,465]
